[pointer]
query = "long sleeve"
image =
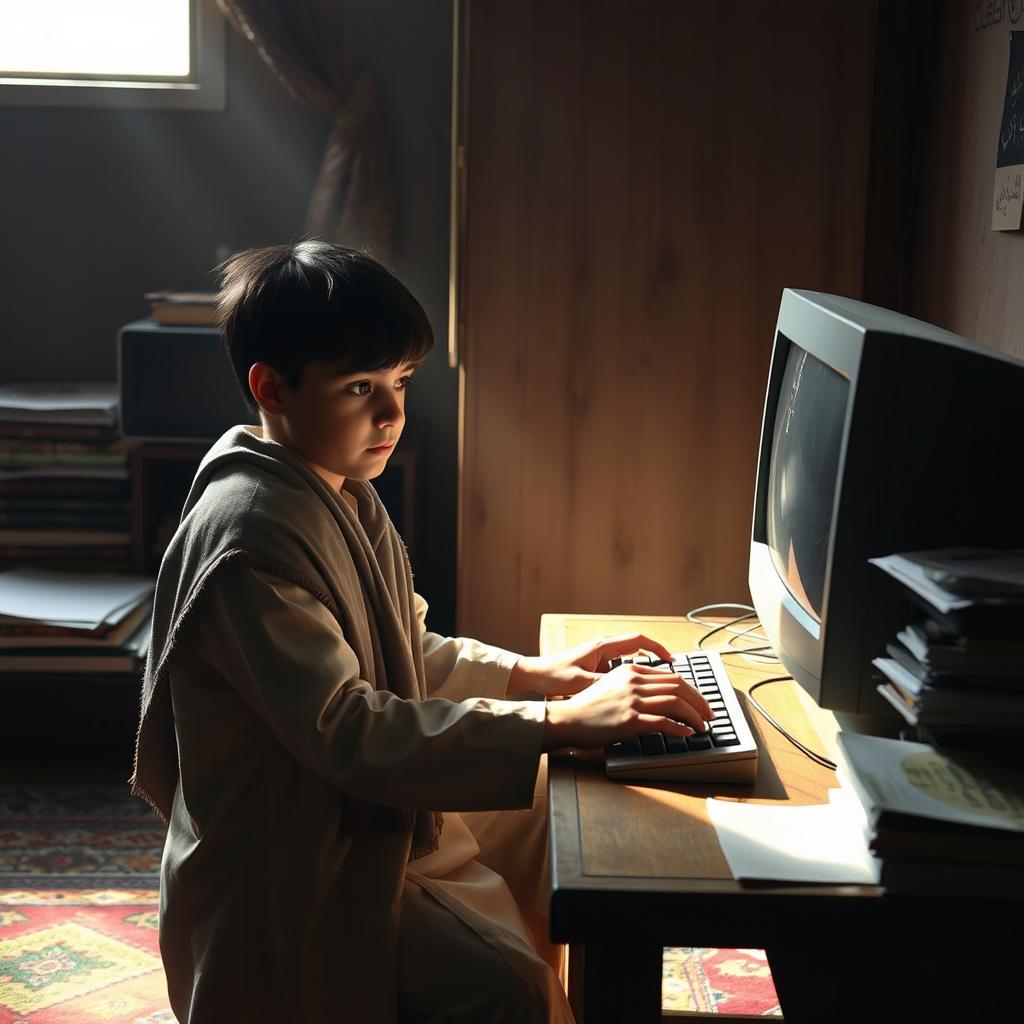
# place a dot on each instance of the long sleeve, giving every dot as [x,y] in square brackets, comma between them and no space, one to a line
[286,655]
[458,667]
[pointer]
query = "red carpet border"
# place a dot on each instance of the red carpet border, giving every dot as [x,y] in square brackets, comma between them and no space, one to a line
[79,896]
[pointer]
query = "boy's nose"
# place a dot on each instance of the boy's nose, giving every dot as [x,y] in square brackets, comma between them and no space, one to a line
[389,411]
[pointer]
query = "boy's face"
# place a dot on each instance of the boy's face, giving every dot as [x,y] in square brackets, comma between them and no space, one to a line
[344,424]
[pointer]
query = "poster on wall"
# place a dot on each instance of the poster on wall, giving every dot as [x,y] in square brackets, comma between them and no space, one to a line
[1006,196]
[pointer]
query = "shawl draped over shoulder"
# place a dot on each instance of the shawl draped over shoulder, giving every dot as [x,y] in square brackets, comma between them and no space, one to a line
[256,501]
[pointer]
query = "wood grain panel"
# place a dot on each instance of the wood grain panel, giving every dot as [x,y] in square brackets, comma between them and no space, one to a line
[967,277]
[643,181]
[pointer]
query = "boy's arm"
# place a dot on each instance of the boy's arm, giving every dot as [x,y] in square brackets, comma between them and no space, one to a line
[458,667]
[284,652]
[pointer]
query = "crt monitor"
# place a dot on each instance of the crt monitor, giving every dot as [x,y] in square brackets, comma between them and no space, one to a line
[880,433]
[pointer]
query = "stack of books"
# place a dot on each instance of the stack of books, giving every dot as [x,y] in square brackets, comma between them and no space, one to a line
[956,670]
[65,498]
[940,822]
[185,309]
[58,622]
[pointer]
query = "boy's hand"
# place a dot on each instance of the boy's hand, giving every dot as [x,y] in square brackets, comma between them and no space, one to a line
[627,701]
[574,669]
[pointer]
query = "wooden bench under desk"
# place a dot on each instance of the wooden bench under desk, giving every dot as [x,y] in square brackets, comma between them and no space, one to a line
[635,868]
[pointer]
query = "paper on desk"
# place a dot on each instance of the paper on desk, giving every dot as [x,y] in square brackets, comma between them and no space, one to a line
[67,598]
[818,843]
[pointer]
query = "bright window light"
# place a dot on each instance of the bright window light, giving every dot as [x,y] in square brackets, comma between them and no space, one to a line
[106,38]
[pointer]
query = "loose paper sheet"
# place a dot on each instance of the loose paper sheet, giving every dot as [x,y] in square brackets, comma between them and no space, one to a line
[823,843]
[70,598]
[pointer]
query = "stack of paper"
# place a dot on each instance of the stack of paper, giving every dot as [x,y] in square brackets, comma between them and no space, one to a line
[940,821]
[179,307]
[71,402]
[959,666]
[64,477]
[73,622]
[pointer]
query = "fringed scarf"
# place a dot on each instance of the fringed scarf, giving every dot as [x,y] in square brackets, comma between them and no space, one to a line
[259,502]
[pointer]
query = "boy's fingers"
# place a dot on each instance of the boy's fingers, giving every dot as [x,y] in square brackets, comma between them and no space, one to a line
[669,726]
[673,685]
[628,643]
[670,705]
[681,686]
[650,644]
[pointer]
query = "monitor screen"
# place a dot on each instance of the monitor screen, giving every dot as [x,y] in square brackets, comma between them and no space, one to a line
[806,439]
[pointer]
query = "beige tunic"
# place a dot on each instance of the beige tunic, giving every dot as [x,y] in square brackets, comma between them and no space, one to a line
[255,879]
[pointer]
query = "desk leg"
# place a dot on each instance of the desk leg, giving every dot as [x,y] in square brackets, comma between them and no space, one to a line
[611,982]
[918,974]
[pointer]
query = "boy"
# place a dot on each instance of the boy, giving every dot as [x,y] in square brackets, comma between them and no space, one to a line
[309,743]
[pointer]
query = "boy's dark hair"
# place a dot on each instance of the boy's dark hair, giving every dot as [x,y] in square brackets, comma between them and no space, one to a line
[287,305]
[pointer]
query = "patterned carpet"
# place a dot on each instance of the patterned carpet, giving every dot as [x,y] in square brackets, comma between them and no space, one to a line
[79,894]
[734,981]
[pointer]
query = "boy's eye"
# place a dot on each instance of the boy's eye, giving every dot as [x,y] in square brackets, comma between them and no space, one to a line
[361,388]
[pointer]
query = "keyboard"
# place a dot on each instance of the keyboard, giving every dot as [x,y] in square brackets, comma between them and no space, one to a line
[727,752]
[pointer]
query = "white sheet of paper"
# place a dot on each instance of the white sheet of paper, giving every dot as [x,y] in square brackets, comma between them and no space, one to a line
[70,598]
[1007,199]
[823,843]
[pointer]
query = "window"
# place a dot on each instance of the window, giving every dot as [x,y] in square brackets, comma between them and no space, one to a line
[124,53]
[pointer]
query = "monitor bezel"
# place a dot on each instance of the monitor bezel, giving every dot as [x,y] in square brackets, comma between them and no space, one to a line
[796,635]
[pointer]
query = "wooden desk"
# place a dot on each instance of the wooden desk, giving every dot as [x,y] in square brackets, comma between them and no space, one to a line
[635,868]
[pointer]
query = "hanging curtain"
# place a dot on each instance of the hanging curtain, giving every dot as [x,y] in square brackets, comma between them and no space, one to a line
[304,43]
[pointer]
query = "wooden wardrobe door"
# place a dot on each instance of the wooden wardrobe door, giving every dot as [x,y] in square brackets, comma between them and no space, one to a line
[643,180]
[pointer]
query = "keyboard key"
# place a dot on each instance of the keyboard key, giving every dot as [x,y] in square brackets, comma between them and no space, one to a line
[652,743]
[676,744]
[725,739]
[699,741]
[631,747]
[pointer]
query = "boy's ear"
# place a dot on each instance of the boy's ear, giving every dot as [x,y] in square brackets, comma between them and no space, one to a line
[267,387]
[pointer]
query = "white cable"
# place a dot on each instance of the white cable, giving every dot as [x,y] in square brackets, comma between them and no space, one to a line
[755,657]
[694,614]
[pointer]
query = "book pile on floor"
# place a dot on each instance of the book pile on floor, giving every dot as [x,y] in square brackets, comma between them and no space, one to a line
[180,308]
[65,497]
[942,822]
[956,671]
[74,622]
